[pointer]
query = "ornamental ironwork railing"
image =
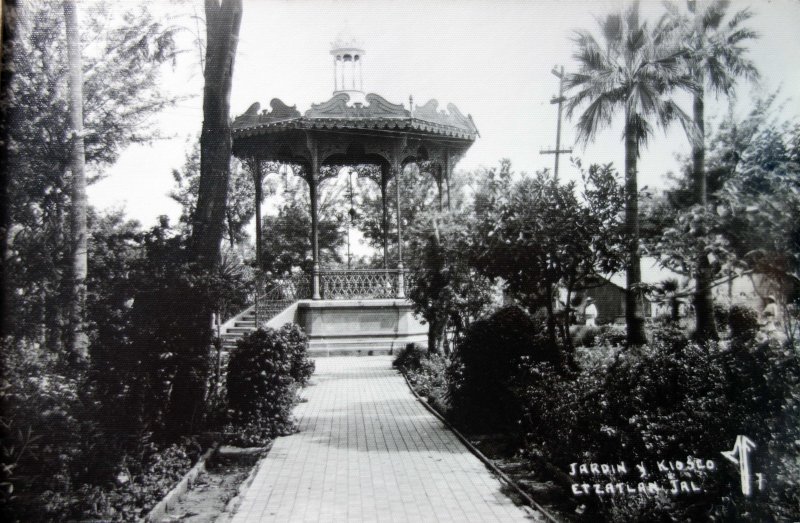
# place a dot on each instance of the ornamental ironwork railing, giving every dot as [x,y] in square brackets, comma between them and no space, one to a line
[335,284]
[279,295]
[359,284]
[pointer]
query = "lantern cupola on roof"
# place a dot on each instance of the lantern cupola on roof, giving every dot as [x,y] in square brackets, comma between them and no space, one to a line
[348,76]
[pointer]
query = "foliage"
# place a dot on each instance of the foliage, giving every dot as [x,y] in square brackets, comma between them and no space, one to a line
[429,380]
[264,371]
[139,292]
[584,335]
[296,340]
[632,70]
[418,195]
[541,225]
[715,55]
[427,375]
[240,207]
[751,224]
[697,228]
[763,199]
[743,323]
[483,371]
[445,288]
[409,358]
[138,489]
[62,460]
[286,237]
[124,51]
[43,423]
[670,400]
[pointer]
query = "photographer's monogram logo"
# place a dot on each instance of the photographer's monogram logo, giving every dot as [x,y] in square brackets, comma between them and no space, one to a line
[740,455]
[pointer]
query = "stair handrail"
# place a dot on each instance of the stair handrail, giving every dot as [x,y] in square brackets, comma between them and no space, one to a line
[280,295]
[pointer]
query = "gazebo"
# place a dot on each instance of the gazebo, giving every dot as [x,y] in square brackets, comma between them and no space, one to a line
[355,129]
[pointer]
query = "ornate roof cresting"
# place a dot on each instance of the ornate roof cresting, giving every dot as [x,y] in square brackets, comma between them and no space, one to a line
[377,113]
[252,118]
[452,117]
[337,107]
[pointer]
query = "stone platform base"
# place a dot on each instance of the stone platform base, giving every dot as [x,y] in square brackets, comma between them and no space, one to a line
[359,327]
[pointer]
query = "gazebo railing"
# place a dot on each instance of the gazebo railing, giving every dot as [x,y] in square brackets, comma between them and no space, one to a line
[360,284]
[335,284]
[280,295]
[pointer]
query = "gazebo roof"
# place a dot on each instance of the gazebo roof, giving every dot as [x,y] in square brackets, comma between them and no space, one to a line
[377,115]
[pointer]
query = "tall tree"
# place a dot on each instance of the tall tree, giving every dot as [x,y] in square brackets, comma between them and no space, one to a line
[240,206]
[78,339]
[223,18]
[560,239]
[634,70]
[715,58]
[123,52]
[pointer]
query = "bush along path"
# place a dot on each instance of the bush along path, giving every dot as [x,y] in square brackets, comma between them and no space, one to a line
[672,401]
[426,376]
[264,375]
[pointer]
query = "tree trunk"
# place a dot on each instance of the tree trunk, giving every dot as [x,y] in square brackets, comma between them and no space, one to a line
[675,310]
[8,24]
[706,328]
[568,320]
[78,344]
[436,335]
[634,321]
[223,18]
[551,319]
[258,181]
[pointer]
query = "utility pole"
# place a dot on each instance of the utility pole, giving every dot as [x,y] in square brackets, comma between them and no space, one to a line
[559,73]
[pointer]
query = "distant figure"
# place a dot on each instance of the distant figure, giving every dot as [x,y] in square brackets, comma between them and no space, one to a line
[590,313]
[769,315]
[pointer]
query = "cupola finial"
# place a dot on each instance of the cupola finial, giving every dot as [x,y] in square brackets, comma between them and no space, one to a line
[348,75]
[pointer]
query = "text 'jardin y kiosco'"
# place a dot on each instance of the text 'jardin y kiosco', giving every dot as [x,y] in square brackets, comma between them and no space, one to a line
[641,479]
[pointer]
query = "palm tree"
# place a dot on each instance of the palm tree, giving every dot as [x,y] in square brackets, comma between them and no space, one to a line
[632,70]
[715,59]
[669,292]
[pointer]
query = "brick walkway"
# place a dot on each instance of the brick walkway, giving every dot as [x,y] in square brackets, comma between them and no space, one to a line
[368,451]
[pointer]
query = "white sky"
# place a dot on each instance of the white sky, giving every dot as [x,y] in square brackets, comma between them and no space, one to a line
[492,59]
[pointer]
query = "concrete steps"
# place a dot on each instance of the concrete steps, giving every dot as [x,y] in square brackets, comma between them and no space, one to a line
[341,327]
[235,328]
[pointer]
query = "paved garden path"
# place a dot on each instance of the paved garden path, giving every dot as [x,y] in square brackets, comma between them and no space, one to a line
[367,450]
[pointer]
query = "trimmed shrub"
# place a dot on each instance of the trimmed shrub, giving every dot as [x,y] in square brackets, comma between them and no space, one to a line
[743,322]
[409,358]
[721,314]
[584,335]
[485,367]
[260,386]
[610,335]
[297,344]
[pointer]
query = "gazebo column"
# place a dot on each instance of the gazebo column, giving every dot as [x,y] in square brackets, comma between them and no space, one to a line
[448,170]
[397,168]
[439,172]
[313,185]
[385,217]
[255,166]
